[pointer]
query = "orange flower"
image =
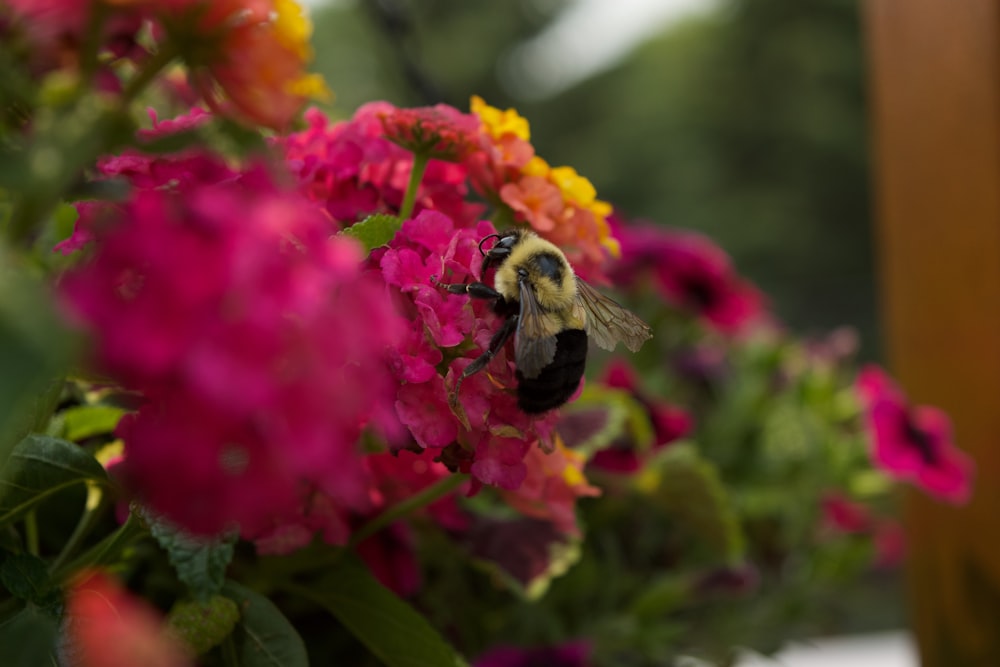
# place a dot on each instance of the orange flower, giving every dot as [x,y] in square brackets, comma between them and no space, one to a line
[558,203]
[536,199]
[555,480]
[107,627]
[247,56]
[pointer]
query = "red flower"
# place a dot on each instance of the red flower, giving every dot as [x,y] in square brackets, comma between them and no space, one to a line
[107,627]
[913,443]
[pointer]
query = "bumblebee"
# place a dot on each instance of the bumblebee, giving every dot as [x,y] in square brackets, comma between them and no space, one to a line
[550,312]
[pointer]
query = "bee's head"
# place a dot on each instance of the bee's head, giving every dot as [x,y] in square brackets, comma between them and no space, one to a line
[500,251]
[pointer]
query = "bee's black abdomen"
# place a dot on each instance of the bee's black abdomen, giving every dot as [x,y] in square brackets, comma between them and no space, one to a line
[557,381]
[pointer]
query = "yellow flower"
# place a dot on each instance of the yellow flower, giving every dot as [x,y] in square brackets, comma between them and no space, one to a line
[498,123]
[575,188]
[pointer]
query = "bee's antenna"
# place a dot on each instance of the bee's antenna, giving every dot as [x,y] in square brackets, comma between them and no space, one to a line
[485,239]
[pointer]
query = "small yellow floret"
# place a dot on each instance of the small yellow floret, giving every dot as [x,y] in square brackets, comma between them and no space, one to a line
[575,188]
[498,122]
[309,85]
[293,28]
[536,167]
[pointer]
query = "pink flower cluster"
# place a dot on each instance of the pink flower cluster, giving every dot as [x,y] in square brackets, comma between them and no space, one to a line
[354,169]
[256,339]
[483,426]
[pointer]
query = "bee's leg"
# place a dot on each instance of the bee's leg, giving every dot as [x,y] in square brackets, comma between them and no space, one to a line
[475,290]
[496,343]
[478,364]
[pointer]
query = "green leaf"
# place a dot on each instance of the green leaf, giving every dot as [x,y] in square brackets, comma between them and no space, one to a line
[601,416]
[85,421]
[390,628]
[687,488]
[39,467]
[374,231]
[28,639]
[543,553]
[203,625]
[200,562]
[27,578]
[34,353]
[263,636]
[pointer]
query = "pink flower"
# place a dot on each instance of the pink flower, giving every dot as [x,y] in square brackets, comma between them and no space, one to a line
[57,30]
[257,340]
[913,443]
[844,516]
[482,418]
[690,271]
[569,654]
[670,423]
[554,482]
[106,626]
[440,132]
[354,170]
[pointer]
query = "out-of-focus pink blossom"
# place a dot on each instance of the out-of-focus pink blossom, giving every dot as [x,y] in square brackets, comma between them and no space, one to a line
[57,30]
[106,626]
[669,422]
[569,654]
[689,271]
[844,516]
[254,335]
[913,443]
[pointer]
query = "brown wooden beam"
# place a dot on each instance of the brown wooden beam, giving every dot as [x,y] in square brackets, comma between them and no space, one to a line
[935,92]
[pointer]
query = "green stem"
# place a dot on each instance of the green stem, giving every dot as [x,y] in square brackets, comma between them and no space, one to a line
[104,551]
[31,533]
[230,657]
[433,492]
[150,69]
[91,44]
[83,527]
[416,175]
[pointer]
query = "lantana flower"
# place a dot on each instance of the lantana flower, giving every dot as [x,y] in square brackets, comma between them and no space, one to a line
[106,626]
[913,443]
[354,169]
[226,308]
[245,56]
[556,202]
[482,419]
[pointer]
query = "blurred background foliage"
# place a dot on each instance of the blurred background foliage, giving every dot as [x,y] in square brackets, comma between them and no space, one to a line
[745,121]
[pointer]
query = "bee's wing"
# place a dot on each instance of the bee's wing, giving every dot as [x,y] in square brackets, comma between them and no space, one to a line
[607,322]
[535,344]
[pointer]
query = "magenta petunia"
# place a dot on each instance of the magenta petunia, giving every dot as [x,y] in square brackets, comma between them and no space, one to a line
[913,443]
[689,271]
[569,654]
[257,339]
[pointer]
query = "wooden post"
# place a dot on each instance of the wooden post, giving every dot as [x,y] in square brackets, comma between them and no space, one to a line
[935,93]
